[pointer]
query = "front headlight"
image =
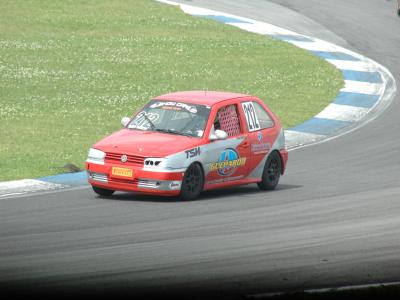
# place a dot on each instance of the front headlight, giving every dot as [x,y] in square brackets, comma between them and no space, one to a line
[154,162]
[96,156]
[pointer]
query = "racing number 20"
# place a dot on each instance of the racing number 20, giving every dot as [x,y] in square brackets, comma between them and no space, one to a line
[251,117]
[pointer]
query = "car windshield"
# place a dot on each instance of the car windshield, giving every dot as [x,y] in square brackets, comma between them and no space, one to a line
[172,117]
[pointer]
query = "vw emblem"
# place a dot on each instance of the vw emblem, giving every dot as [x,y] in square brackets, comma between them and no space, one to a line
[124,158]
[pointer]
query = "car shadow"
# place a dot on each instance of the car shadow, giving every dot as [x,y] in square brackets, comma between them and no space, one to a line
[245,190]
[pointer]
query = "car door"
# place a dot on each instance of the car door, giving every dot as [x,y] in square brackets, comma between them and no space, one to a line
[262,133]
[227,160]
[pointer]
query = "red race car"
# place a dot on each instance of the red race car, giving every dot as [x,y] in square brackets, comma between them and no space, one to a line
[186,142]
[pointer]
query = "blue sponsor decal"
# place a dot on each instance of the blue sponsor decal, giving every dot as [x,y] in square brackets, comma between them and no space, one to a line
[229,160]
[259,136]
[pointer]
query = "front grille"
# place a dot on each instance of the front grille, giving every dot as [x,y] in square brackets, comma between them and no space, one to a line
[134,160]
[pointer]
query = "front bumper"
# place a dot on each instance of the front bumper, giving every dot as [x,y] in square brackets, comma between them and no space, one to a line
[143,181]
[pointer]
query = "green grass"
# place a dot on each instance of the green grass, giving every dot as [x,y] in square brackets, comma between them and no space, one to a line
[69,70]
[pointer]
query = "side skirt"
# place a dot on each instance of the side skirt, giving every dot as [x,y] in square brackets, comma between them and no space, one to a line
[208,186]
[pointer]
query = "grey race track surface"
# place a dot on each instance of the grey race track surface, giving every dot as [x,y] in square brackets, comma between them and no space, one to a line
[334,220]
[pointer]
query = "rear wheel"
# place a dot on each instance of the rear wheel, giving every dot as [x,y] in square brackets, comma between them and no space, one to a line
[102,192]
[272,172]
[192,183]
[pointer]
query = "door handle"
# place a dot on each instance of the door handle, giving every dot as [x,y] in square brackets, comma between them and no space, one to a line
[245,144]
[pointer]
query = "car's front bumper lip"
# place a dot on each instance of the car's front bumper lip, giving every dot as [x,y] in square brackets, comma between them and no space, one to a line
[144,180]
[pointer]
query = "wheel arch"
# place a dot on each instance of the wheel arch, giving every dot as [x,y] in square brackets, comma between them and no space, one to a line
[280,158]
[187,192]
[283,167]
[201,166]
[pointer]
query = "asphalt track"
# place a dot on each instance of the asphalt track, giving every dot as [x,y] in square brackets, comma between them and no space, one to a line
[333,221]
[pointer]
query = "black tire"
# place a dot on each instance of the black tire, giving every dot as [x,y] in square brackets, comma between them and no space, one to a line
[271,173]
[192,183]
[102,192]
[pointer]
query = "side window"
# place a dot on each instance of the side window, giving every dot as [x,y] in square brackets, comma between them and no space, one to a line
[263,117]
[227,119]
[256,116]
[251,118]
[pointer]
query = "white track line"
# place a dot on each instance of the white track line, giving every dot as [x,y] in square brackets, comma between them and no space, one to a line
[343,112]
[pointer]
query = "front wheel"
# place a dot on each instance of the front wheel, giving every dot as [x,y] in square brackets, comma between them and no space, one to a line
[272,172]
[102,192]
[192,183]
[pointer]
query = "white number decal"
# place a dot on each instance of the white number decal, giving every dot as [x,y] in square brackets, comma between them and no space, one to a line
[252,121]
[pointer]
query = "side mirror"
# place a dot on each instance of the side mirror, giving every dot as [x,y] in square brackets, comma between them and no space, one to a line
[218,135]
[125,121]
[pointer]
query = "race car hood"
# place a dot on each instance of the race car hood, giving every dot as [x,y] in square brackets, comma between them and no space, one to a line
[146,143]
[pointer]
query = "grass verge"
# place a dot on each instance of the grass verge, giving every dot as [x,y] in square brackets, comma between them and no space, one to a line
[69,70]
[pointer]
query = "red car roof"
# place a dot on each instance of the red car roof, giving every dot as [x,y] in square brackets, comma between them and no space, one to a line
[200,97]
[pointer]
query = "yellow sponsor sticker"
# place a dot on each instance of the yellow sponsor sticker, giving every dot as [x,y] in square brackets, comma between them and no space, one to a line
[123,172]
[231,163]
